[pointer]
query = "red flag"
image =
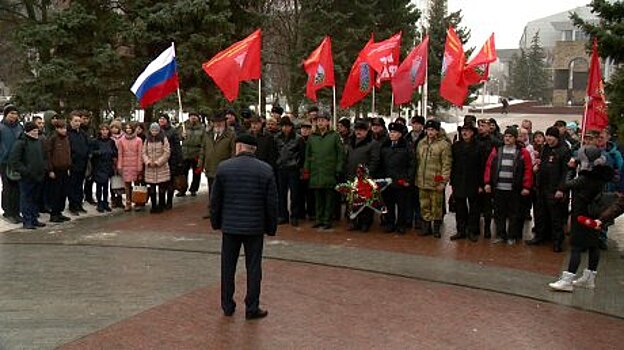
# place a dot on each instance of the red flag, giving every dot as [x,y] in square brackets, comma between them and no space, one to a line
[360,80]
[453,87]
[411,73]
[239,62]
[596,109]
[320,68]
[478,69]
[383,57]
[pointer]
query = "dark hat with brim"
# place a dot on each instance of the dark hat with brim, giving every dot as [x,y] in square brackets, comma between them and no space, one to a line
[277,109]
[361,125]
[469,125]
[418,119]
[8,109]
[324,115]
[218,117]
[247,140]
[305,123]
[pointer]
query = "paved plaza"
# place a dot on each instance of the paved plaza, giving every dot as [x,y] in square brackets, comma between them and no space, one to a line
[141,281]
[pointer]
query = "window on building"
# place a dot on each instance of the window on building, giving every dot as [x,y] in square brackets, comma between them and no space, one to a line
[580,35]
[567,35]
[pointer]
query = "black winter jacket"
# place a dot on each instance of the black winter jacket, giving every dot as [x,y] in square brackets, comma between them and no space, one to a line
[103,160]
[553,169]
[80,149]
[468,168]
[290,150]
[364,152]
[397,162]
[29,158]
[243,200]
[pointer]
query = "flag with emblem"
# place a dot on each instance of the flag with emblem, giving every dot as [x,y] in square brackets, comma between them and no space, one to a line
[360,80]
[320,69]
[411,73]
[383,57]
[595,117]
[239,62]
[478,69]
[453,88]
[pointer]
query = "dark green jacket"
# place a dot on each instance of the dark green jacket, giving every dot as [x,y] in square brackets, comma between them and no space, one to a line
[28,158]
[324,159]
[192,143]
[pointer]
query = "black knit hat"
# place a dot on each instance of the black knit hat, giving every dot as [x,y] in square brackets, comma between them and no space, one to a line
[286,121]
[418,119]
[360,125]
[247,139]
[30,126]
[277,109]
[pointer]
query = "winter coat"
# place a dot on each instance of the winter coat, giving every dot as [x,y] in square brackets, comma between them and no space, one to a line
[522,173]
[614,210]
[290,151]
[214,152]
[397,162]
[8,135]
[243,199]
[585,188]
[324,159]
[365,151]
[129,157]
[103,159]
[48,129]
[58,152]
[468,168]
[175,159]
[267,148]
[28,158]
[192,143]
[434,161]
[615,160]
[80,149]
[553,169]
[155,150]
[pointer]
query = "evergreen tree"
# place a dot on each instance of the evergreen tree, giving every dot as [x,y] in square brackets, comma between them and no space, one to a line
[529,77]
[610,37]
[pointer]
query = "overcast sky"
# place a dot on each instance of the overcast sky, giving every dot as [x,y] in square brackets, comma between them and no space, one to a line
[506,18]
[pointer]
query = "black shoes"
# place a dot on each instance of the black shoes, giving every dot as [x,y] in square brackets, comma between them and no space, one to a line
[229,313]
[325,227]
[557,247]
[256,315]
[534,241]
[282,221]
[294,222]
[181,194]
[457,236]
[193,194]
[81,209]
[318,225]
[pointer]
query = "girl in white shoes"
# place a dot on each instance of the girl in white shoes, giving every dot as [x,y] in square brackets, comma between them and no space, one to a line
[594,173]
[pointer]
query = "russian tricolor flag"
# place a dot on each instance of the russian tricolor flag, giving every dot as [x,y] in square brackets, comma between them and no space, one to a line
[158,80]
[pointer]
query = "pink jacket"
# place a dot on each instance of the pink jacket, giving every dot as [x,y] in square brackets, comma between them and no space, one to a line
[130,158]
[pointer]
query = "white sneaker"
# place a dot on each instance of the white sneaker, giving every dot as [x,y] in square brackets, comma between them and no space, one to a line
[564,284]
[587,280]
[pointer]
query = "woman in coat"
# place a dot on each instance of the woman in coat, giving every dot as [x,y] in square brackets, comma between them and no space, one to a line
[130,161]
[156,152]
[593,175]
[104,159]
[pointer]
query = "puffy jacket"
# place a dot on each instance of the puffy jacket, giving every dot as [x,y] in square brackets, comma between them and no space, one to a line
[192,143]
[243,200]
[365,151]
[397,162]
[80,149]
[215,151]
[48,129]
[59,153]
[28,158]
[8,135]
[324,159]
[290,151]
[468,168]
[104,159]
[434,160]
[522,173]
[156,150]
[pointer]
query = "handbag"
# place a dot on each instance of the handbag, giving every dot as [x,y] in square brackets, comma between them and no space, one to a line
[117,183]
[139,195]
[12,174]
[180,183]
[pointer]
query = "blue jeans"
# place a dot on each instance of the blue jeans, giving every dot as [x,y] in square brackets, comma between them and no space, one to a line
[29,191]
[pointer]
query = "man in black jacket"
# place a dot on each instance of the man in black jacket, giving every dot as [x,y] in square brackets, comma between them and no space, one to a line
[290,150]
[244,207]
[80,152]
[551,209]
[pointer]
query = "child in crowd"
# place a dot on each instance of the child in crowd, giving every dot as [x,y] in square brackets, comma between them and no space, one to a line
[130,162]
[104,160]
[59,163]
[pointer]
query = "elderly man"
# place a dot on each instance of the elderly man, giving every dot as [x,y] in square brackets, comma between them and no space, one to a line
[244,207]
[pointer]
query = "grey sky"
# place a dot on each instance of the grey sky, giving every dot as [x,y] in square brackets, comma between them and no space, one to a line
[506,18]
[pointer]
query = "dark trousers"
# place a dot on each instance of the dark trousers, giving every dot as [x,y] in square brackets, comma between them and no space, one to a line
[10,194]
[486,203]
[550,217]
[413,206]
[88,188]
[58,192]
[191,164]
[288,180]
[230,250]
[101,194]
[307,200]
[75,189]
[506,207]
[467,212]
[160,202]
[396,199]
[29,190]
[325,198]
[575,258]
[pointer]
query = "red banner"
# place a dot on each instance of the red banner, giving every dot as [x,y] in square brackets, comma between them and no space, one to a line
[320,69]
[411,73]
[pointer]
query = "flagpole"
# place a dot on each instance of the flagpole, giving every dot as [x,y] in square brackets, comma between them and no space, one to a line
[584,121]
[260,98]
[335,118]
[425,93]
[484,92]
[179,97]
[373,107]
[391,105]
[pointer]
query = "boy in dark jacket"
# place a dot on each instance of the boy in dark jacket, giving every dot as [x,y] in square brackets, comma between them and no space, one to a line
[104,160]
[59,163]
[80,151]
[29,160]
[397,163]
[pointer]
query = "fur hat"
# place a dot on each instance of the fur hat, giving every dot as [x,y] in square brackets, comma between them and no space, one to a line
[247,139]
[418,119]
[469,125]
[346,122]
[432,123]
[286,121]
[397,127]
[277,110]
[361,125]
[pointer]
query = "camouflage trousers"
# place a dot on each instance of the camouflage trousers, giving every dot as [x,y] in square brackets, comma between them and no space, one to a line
[431,202]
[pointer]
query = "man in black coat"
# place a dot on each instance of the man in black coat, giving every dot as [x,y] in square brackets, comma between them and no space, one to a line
[488,142]
[243,205]
[80,153]
[467,181]
[552,204]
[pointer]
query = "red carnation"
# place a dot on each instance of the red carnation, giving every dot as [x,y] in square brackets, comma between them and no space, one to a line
[438,178]
[364,189]
[401,182]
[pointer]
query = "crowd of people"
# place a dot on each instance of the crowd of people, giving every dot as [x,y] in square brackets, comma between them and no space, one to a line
[485,173]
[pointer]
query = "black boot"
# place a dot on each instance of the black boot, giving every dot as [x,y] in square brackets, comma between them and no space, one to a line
[461,234]
[425,229]
[487,228]
[437,224]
